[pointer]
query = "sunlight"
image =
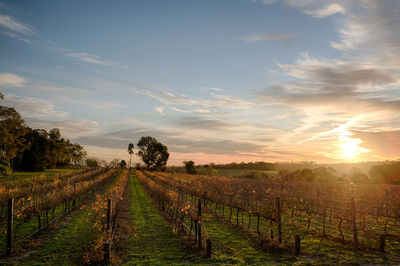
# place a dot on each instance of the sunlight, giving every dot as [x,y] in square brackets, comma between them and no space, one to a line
[349,147]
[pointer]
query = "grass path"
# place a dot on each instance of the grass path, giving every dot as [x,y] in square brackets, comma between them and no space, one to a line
[152,241]
[231,246]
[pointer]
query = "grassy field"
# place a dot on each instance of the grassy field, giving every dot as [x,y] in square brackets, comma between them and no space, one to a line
[243,172]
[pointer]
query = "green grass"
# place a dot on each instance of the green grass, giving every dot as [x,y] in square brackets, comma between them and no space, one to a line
[152,241]
[68,245]
[314,249]
[23,229]
[242,172]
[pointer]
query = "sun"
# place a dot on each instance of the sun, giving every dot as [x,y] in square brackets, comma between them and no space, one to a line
[350,149]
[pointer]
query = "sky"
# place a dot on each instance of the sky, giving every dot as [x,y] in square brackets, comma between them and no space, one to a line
[215,81]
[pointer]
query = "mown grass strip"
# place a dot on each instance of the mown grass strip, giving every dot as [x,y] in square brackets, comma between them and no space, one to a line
[69,244]
[152,241]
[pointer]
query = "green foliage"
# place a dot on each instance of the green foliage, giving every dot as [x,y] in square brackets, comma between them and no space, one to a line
[5,169]
[48,150]
[12,137]
[206,170]
[189,167]
[153,153]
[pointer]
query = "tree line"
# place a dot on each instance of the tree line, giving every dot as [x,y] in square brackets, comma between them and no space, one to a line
[28,149]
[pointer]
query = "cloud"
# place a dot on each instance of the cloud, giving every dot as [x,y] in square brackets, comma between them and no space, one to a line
[16,26]
[160,109]
[267,37]
[84,56]
[384,143]
[359,90]
[372,28]
[31,107]
[202,123]
[213,104]
[11,80]
[173,141]
[16,36]
[94,59]
[68,128]
[326,11]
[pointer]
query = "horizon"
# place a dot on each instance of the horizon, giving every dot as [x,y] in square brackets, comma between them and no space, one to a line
[215,81]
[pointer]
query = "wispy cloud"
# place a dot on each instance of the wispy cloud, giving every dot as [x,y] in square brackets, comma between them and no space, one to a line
[11,80]
[14,25]
[326,11]
[267,37]
[214,104]
[314,8]
[16,36]
[84,56]
[33,107]
[93,59]
[15,28]
[69,128]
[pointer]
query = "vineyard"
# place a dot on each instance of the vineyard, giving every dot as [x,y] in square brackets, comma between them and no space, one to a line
[365,216]
[100,215]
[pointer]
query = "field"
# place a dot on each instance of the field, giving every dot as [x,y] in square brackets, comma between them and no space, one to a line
[164,218]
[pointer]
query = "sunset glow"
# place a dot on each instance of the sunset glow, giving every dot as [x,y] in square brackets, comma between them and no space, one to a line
[215,81]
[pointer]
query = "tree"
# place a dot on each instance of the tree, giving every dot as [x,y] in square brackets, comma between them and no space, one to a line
[122,164]
[92,162]
[37,157]
[12,133]
[114,163]
[153,153]
[130,151]
[77,154]
[189,167]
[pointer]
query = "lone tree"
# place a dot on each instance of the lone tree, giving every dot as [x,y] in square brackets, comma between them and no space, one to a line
[153,153]
[189,167]
[130,151]
[122,164]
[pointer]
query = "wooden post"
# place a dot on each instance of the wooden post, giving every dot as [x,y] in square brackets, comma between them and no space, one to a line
[108,214]
[353,216]
[107,251]
[199,207]
[209,246]
[296,250]
[195,231]
[382,243]
[39,222]
[199,223]
[73,201]
[10,217]
[199,234]
[279,219]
